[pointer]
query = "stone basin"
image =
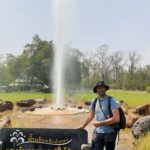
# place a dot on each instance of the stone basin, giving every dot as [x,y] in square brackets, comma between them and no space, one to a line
[57,111]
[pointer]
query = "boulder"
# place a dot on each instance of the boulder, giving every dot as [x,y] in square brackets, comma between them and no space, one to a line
[5,105]
[80,107]
[143,110]
[141,126]
[26,103]
[124,106]
[32,109]
[88,103]
[130,120]
[9,105]
[5,122]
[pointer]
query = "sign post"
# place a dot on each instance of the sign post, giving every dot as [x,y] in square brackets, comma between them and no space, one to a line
[42,139]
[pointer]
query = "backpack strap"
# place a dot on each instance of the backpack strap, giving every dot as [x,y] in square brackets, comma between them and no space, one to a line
[94,103]
[109,106]
[110,112]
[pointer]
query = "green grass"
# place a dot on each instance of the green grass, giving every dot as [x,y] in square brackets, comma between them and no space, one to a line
[132,98]
[24,95]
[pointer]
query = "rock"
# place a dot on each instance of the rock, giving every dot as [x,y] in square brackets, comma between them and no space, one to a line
[39,106]
[122,102]
[141,126]
[9,105]
[41,100]
[3,108]
[25,109]
[26,103]
[80,107]
[124,106]
[130,120]
[143,110]
[5,122]
[32,108]
[73,106]
[5,105]
[60,108]
[86,147]
[88,103]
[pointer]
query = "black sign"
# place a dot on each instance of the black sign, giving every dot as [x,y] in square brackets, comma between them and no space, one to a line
[42,139]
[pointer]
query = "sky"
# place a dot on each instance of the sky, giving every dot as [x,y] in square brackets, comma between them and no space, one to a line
[122,24]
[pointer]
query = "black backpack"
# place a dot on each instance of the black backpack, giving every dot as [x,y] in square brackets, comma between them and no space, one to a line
[119,125]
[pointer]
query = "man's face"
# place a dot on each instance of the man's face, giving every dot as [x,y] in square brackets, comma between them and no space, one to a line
[101,91]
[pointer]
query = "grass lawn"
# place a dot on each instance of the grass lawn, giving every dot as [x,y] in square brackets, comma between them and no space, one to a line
[24,95]
[132,98]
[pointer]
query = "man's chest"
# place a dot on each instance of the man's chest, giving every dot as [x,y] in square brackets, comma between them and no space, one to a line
[101,106]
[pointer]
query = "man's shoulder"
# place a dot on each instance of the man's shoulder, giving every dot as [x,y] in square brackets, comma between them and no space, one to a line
[111,98]
[114,103]
[93,101]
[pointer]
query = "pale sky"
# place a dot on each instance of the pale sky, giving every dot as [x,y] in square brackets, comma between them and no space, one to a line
[122,24]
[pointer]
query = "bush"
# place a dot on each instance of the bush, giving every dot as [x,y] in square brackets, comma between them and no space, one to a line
[148,89]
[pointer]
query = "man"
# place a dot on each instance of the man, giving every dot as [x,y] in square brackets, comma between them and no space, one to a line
[104,134]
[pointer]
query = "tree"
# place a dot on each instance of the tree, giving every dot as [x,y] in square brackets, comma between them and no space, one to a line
[118,71]
[103,61]
[39,55]
[34,64]
[133,66]
[133,62]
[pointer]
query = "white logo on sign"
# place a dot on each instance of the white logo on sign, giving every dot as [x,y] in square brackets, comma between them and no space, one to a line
[18,137]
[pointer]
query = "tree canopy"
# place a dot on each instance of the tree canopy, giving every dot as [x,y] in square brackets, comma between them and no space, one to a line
[34,67]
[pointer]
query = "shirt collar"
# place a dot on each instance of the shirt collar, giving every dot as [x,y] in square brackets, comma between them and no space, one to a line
[103,97]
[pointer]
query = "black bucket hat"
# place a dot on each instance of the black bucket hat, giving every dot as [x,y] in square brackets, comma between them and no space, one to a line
[102,83]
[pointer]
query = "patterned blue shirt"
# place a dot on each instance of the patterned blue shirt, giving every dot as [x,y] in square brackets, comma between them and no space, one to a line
[100,115]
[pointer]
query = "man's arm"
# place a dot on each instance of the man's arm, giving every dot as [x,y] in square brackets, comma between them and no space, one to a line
[88,120]
[114,119]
